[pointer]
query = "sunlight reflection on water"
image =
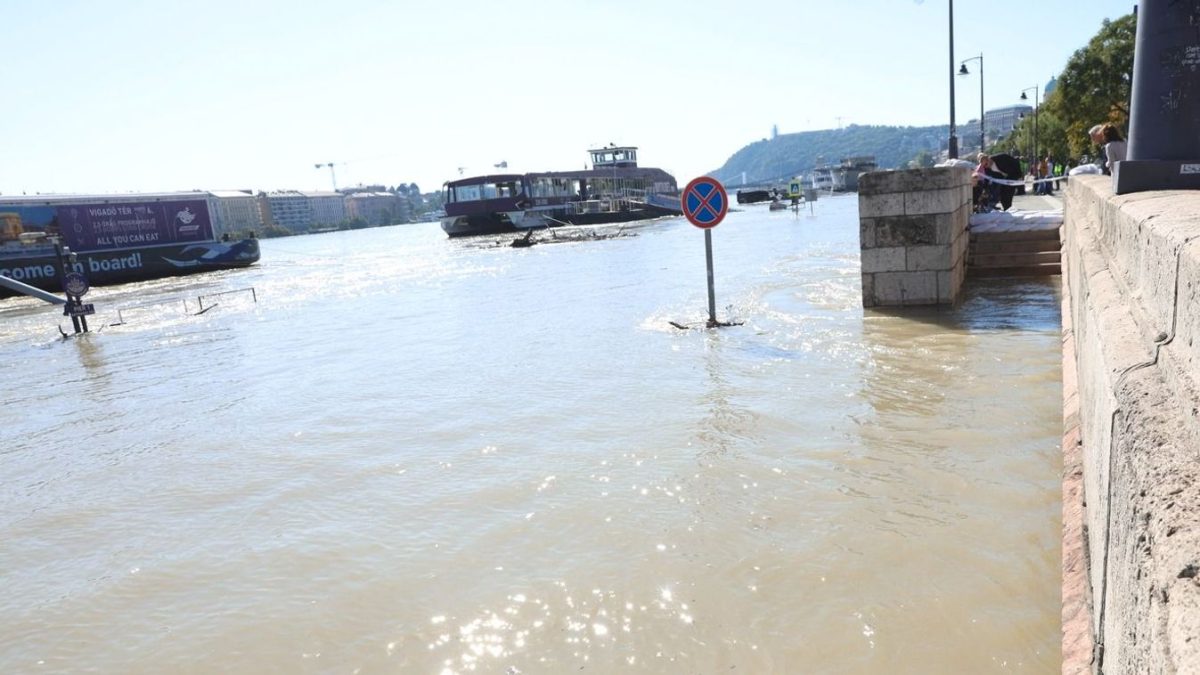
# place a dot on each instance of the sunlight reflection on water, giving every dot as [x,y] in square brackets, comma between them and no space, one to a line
[426,455]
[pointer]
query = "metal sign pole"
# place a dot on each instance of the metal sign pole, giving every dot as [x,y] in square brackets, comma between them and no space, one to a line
[712,296]
[704,203]
[63,271]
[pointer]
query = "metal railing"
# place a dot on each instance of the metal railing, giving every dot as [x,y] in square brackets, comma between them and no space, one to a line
[183,301]
[200,298]
[155,303]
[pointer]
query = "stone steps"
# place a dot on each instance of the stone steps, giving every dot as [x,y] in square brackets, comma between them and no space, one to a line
[1014,253]
[1047,270]
[1023,246]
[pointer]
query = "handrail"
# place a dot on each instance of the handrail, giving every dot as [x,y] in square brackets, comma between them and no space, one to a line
[200,298]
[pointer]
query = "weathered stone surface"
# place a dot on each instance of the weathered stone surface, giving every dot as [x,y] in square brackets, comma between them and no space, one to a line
[950,226]
[922,258]
[1132,268]
[912,233]
[906,288]
[866,233]
[906,231]
[911,180]
[871,206]
[883,259]
[932,201]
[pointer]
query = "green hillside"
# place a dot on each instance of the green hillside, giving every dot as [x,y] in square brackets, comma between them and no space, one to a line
[792,154]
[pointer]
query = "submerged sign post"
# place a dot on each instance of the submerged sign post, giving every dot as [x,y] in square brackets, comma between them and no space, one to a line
[705,204]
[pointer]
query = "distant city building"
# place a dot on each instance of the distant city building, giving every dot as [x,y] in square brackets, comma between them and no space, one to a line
[236,211]
[287,209]
[1050,86]
[377,208]
[328,208]
[999,122]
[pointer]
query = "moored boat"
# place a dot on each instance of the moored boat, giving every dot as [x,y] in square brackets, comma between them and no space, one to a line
[114,239]
[614,190]
[754,196]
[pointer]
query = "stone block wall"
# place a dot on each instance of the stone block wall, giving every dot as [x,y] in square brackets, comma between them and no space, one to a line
[913,235]
[1132,270]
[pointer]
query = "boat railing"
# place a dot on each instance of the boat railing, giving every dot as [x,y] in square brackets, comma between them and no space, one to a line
[635,194]
[623,200]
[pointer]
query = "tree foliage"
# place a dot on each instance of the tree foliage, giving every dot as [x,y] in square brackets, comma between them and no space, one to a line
[1051,137]
[1093,88]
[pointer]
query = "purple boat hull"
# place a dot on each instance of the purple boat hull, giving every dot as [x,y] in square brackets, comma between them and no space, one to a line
[118,266]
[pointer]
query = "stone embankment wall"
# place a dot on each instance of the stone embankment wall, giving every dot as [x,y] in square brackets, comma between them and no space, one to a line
[1132,271]
[913,235]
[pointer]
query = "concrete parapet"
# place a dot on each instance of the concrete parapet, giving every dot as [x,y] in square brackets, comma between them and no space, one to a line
[1133,274]
[913,235]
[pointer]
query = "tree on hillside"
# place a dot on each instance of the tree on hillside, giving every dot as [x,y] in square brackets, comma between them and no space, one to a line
[792,154]
[923,160]
[1096,84]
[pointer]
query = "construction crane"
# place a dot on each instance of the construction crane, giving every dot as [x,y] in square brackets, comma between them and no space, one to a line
[332,175]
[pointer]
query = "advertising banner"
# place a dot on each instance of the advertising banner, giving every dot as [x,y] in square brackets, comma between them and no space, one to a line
[99,226]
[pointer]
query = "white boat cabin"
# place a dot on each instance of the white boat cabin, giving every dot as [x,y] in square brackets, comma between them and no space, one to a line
[620,157]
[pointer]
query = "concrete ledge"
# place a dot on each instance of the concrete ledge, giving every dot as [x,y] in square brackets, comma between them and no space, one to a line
[1133,275]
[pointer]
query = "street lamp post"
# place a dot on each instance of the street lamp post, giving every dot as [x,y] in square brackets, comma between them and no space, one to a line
[1035,89]
[962,70]
[952,147]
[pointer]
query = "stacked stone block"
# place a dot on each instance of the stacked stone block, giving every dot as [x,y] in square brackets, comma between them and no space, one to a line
[913,235]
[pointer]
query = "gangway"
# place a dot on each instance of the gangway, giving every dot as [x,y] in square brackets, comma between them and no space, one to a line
[26,289]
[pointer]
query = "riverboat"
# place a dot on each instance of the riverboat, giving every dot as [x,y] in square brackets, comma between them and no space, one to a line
[822,178]
[614,190]
[754,196]
[845,176]
[114,240]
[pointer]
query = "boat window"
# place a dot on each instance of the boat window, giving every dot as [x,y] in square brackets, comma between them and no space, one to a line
[467,193]
[505,190]
[551,187]
[508,189]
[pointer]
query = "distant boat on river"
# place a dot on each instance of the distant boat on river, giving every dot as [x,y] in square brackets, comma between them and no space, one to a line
[614,190]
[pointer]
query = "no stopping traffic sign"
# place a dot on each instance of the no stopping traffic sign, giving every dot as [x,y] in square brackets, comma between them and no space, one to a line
[704,202]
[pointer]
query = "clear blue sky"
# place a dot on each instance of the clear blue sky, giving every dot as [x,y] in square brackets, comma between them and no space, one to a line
[124,95]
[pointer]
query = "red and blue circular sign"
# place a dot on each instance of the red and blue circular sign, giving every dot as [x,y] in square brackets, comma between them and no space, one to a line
[705,202]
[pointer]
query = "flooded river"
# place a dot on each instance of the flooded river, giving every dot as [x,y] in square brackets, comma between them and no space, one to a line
[421,455]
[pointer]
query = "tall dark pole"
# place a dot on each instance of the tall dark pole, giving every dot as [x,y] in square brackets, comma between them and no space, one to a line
[62,275]
[952,148]
[1164,112]
[1034,159]
[963,71]
[1036,105]
[982,134]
